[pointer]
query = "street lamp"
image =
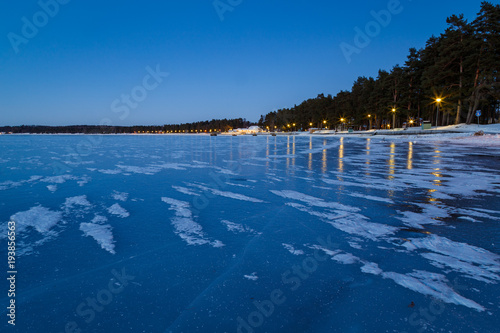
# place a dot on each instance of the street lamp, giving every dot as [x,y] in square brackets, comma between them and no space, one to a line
[370,120]
[393,118]
[438,101]
[342,123]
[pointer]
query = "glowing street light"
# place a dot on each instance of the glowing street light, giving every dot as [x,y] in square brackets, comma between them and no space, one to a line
[370,120]
[438,101]
[393,118]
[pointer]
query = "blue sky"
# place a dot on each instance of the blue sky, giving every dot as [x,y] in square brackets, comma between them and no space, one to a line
[86,57]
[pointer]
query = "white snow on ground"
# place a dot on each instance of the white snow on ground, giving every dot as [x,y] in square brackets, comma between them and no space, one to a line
[40,218]
[120,196]
[292,250]
[464,137]
[101,233]
[118,210]
[252,276]
[185,226]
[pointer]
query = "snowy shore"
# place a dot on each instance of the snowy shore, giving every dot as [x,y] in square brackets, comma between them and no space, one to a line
[462,134]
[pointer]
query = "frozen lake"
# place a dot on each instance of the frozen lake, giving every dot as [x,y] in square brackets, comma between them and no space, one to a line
[250,234]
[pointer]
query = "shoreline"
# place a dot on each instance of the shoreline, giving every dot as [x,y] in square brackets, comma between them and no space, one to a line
[454,133]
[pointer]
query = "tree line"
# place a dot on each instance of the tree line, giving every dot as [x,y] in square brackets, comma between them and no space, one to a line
[455,74]
[214,125]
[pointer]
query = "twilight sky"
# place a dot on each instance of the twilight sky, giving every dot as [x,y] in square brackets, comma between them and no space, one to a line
[92,62]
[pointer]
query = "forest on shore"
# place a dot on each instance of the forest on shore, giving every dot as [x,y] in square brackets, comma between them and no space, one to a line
[459,70]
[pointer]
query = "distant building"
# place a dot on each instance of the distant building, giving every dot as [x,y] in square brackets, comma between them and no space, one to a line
[250,130]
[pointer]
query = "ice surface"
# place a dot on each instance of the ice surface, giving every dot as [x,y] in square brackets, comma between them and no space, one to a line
[361,203]
[101,233]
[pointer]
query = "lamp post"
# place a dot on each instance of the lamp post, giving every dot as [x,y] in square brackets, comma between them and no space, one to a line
[342,124]
[393,118]
[438,101]
[370,120]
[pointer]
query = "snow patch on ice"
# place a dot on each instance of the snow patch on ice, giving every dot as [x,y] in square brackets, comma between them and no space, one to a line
[313,201]
[226,194]
[52,188]
[252,276]
[185,226]
[237,228]
[120,196]
[431,284]
[371,268]
[101,233]
[184,190]
[57,179]
[78,205]
[292,250]
[370,197]
[40,218]
[118,210]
